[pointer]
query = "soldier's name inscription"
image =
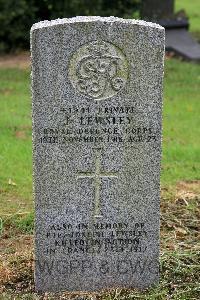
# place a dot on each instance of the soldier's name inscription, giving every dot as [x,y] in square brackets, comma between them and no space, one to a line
[103,124]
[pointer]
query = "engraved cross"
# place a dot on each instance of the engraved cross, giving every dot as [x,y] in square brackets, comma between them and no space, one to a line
[97,176]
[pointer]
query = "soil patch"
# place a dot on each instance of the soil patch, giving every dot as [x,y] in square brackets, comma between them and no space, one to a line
[179,258]
[21,60]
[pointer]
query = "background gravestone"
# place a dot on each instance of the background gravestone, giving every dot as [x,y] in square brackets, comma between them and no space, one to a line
[178,38]
[97,102]
[156,9]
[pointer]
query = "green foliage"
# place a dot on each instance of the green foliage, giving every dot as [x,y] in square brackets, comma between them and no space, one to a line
[181,131]
[192,9]
[15,141]
[15,20]
[23,223]
[17,17]
[180,159]
[26,223]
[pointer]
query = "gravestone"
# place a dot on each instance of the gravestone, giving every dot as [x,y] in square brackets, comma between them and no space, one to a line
[156,9]
[97,102]
[178,38]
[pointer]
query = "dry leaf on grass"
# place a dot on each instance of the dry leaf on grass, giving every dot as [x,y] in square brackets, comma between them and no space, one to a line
[10,182]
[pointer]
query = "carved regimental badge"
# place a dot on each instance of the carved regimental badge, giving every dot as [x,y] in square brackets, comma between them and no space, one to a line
[98,70]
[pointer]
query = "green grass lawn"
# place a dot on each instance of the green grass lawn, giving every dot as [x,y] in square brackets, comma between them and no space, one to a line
[181,122]
[181,126]
[181,132]
[180,163]
[15,141]
[192,9]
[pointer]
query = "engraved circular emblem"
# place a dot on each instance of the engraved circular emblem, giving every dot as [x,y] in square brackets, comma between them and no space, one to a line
[98,70]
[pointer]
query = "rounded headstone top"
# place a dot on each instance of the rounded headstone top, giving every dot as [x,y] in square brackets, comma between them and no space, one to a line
[84,19]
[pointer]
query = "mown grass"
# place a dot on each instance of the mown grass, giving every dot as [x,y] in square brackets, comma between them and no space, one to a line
[181,126]
[180,249]
[180,189]
[192,9]
[15,141]
[179,260]
[181,122]
[181,131]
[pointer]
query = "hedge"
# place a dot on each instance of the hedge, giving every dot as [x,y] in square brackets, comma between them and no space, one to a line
[17,16]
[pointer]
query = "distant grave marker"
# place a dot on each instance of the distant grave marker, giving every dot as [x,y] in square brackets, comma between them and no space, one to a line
[157,10]
[178,38]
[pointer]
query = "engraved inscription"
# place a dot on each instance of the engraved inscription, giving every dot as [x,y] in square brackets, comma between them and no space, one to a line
[119,267]
[98,70]
[96,237]
[97,175]
[99,126]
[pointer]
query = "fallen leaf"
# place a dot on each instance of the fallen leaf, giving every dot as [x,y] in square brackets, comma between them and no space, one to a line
[20,135]
[10,182]
[180,231]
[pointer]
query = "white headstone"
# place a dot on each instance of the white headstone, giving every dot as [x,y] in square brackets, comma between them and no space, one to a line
[97,102]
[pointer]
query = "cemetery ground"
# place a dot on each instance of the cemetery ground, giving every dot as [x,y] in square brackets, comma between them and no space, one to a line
[180,187]
[180,183]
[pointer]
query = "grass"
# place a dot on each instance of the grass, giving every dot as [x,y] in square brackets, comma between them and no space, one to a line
[192,9]
[180,189]
[180,179]
[181,131]
[181,124]
[15,141]
[179,260]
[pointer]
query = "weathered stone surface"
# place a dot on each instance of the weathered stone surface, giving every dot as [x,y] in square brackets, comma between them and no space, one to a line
[97,102]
